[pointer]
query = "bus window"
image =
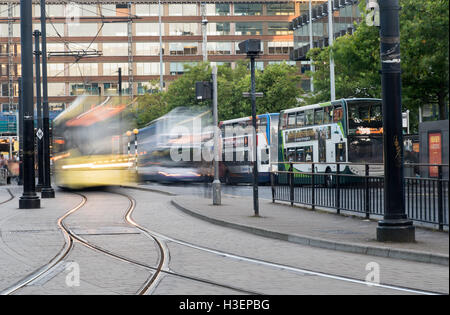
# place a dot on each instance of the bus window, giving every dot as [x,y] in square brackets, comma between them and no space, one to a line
[337,114]
[283,121]
[309,115]
[300,119]
[328,115]
[290,155]
[305,154]
[291,120]
[300,155]
[365,117]
[318,116]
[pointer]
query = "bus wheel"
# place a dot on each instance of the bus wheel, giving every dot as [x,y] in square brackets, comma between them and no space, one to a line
[328,178]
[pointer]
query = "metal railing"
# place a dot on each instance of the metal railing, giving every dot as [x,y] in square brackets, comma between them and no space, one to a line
[426,198]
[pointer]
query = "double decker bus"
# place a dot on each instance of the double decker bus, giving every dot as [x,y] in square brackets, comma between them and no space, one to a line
[342,131]
[236,136]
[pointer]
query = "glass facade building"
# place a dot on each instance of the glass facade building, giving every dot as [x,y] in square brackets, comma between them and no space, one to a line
[110,34]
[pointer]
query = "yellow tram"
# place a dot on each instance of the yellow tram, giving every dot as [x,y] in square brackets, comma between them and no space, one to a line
[88,148]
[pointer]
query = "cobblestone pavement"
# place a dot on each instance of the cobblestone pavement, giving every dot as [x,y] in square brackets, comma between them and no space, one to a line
[31,238]
[155,212]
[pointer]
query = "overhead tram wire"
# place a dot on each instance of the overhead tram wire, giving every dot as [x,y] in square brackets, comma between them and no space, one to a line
[66,43]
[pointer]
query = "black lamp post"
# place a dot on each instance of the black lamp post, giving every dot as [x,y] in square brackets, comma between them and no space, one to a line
[37,63]
[395,226]
[29,199]
[47,190]
[252,47]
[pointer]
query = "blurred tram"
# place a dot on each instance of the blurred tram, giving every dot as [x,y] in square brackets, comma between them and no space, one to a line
[177,147]
[87,144]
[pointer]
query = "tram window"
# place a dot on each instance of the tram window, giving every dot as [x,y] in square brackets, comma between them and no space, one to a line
[300,119]
[327,115]
[337,114]
[309,115]
[318,116]
[291,120]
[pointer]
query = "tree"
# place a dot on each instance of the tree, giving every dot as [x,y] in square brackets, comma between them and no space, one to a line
[425,46]
[181,92]
[424,52]
[149,107]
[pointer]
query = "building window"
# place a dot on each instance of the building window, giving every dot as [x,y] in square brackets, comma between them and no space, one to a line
[219,48]
[147,49]
[55,69]
[249,28]
[247,9]
[183,49]
[218,28]
[148,9]
[115,49]
[84,89]
[280,48]
[281,8]
[83,69]
[148,68]
[278,28]
[148,29]
[83,29]
[183,29]
[114,29]
[113,68]
[218,9]
[185,9]
[179,67]
[56,89]
[55,10]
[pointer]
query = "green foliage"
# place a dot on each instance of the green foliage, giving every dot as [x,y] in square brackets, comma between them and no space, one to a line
[424,49]
[279,83]
[149,107]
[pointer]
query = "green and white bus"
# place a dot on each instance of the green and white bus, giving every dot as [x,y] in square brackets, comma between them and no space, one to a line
[344,131]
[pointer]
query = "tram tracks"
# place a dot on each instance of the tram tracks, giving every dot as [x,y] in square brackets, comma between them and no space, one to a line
[162,267]
[71,238]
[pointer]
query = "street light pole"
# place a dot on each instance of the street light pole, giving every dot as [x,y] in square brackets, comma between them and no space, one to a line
[395,226]
[29,199]
[204,33]
[47,190]
[311,44]
[217,200]
[37,54]
[255,139]
[161,70]
[330,44]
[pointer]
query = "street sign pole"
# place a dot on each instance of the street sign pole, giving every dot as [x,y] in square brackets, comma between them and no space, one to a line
[395,226]
[217,200]
[29,199]
[47,190]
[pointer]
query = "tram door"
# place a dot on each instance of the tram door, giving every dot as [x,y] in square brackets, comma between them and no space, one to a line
[340,152]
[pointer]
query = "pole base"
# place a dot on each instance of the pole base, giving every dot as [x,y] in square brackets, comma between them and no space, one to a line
[38,188]
[401,231]
[217,199]
[29,202]
[47,193]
